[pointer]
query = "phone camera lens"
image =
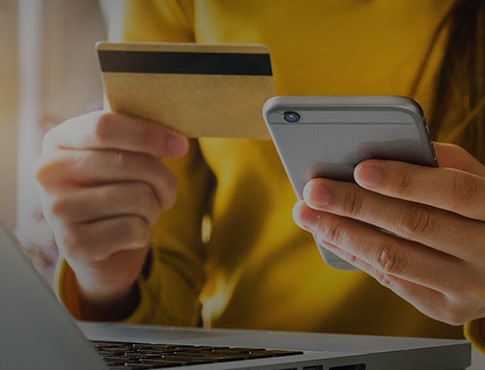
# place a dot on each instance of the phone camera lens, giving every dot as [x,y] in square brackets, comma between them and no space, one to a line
[291,117]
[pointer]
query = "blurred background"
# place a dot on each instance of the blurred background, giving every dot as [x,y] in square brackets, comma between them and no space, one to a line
[48,73]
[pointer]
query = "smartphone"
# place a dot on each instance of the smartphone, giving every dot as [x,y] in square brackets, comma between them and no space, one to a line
[327,136]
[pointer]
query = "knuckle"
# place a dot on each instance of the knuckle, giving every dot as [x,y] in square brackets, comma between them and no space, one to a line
[104,128]
[121,160]
[352,204]
[79,245]
[146,135]
[462,190]
[389,260]
[143,195]
[137,232]
[127,233]
[405,183]
[414,220]
[334,231]
[145,201]
[350,258]
[126,162]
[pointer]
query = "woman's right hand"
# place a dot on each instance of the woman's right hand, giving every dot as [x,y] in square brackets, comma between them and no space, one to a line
[102,186]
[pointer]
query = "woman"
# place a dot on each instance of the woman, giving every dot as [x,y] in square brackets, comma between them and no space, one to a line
[226,251]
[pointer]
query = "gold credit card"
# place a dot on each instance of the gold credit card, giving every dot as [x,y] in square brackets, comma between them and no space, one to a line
[199,90]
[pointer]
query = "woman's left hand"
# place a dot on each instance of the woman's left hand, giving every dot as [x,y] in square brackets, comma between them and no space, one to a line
[417,230]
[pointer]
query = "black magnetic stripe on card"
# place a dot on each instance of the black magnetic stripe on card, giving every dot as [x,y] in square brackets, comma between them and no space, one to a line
[185,63]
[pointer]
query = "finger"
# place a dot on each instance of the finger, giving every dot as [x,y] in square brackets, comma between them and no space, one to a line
[389,255]
[97,241]
[101,130]
[431,302]
[454,156]
[445,188]
[83,168]
[87,205]
[439,229]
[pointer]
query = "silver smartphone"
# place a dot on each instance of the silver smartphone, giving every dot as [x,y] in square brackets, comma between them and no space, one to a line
[327,136]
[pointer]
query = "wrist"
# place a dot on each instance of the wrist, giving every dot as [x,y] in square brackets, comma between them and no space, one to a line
[107,291]
[114,307]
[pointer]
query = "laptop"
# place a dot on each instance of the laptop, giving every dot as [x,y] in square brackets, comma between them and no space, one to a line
[37,332]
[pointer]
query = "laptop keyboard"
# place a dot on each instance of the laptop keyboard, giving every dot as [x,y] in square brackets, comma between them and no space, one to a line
[123,355]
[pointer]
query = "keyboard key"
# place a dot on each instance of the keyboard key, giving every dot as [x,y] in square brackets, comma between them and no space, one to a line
[122,355]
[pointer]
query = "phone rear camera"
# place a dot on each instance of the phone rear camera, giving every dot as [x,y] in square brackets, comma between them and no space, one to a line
[291,117]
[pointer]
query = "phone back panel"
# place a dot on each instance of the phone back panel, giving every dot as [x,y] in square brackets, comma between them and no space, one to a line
[331,135]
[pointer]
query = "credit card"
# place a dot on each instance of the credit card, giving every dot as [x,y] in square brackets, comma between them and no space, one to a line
[199,90]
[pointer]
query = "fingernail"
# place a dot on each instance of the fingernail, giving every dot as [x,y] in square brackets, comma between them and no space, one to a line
[368,175]
[304,217]
[175,145]
[316,194]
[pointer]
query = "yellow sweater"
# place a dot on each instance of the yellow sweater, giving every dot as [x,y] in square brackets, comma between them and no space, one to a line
[258,269]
